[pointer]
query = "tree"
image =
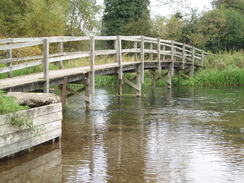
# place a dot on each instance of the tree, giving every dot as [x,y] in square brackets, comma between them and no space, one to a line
[126,17]
[82,18]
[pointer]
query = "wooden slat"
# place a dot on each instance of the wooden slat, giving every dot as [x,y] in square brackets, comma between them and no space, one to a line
[11,149]
[20,45]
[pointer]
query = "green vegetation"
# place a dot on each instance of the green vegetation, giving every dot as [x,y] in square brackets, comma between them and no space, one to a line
[126,17]
[225,69]
[23,122]
[9,105]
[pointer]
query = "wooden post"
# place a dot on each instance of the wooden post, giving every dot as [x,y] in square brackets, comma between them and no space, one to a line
[153,79]
[170,76]
[164,53]
[46,65]
[92,64]
[88,91]
[9,55]
[120,72]
[159,55]
[116,47]
[193,62]
[172,58]
[63,92]
[202,58]
[142,59]
[60,51]
[151,50]
[138,81]
[184,56]
[135,54]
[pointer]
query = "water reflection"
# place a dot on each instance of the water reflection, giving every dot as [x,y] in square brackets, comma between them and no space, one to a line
[41,165]
[186,135]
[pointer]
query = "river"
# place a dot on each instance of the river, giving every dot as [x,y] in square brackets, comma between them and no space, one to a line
[184,135]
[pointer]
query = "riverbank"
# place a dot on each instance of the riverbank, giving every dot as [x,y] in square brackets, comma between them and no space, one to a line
[226,69]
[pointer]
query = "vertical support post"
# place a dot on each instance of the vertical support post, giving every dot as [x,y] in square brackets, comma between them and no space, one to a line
[135,54]
[9,55]
[120,72]
[142,59]
[116,47]
[184,56]
[46,65]
[170,76]
[92,64]
[159,55]
[87,90]
[138,82]
[202,58]
[63,92]
[172,58]
[164,53]
[192,67]
[151,50]
[153,79]
[60,51]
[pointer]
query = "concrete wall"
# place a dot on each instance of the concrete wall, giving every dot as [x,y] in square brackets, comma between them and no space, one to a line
[47,121]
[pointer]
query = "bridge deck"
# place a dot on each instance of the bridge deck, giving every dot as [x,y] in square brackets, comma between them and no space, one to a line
[35,81]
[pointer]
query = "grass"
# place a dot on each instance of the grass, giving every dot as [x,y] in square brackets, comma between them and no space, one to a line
[226,69]
[9,105]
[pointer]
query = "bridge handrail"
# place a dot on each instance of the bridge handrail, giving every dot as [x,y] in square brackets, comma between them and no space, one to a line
[157,50]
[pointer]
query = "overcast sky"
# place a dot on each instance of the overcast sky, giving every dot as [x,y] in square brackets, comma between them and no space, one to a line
[157,9]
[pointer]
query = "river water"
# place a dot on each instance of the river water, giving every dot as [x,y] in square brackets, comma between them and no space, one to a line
[184,135]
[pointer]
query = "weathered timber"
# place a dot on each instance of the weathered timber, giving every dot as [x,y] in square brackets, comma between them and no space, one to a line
[14,138]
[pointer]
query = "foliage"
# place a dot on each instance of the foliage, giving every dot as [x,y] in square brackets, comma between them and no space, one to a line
[23,122]
[82,17]
[32,18]
[9,105]
[126,17]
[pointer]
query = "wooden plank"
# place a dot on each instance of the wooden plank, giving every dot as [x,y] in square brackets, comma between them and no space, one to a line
[33,112]
[86,98]
[12,138]
[20,45]
[14,148]
[131,84]
[105,38]
[20,66]
[39,120]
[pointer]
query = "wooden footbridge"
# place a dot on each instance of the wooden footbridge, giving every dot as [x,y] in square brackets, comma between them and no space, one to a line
[144,53]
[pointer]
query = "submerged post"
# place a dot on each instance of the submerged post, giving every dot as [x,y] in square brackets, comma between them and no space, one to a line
[46,65]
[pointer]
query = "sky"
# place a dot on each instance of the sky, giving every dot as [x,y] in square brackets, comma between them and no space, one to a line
[159,9]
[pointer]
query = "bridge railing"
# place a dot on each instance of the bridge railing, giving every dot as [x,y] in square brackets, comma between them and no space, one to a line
[144,49]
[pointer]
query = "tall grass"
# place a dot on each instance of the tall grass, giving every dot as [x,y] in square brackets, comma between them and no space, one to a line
[226,69]
[9,105]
